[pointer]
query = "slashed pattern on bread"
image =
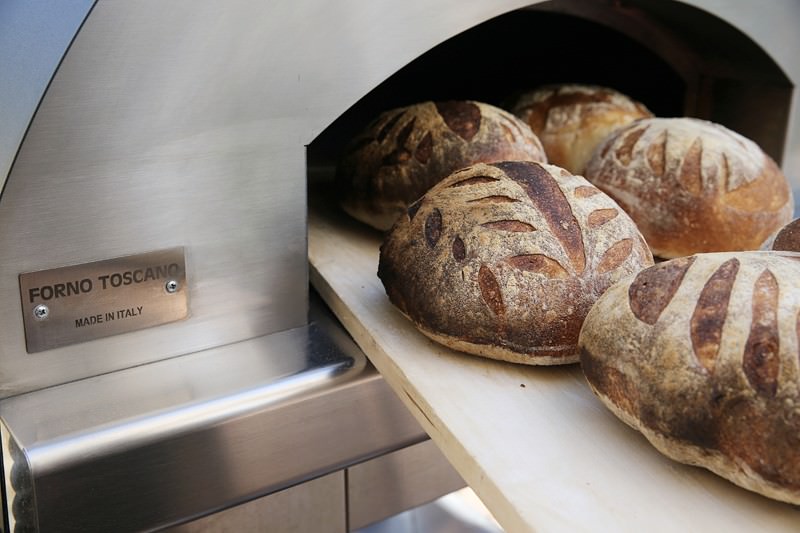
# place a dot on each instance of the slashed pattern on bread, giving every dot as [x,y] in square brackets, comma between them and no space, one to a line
[504,260]
[405,151]
[572,119]
[692,186]
[700,354]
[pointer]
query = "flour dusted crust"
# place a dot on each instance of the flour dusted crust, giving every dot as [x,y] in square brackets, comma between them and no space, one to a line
[571,120]
[407,150]
[700,354]
[692,185]
[504,260]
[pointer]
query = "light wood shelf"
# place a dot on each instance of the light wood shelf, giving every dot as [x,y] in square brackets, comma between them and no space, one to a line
[534,443]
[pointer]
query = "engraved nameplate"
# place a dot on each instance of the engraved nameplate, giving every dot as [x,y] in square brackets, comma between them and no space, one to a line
[79,303]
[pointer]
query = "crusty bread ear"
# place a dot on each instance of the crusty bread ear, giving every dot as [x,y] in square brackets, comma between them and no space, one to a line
[504,260]
[692,186]
[406,151]
[700,355]
[571,120]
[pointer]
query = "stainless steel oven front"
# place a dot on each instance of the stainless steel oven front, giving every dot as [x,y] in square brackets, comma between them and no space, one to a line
[159,356]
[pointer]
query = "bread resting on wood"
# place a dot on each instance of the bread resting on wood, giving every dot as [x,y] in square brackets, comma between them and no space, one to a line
[407,150]
[692,186]
[504,260]
[700,354]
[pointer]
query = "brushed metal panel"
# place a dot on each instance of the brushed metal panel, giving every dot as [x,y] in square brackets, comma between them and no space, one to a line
[314,506]
[398,481]
[79,303]
[33,39]
[152,136]
[183,123]
[162,443]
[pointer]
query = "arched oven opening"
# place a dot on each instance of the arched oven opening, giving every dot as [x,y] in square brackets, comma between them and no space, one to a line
[676,59]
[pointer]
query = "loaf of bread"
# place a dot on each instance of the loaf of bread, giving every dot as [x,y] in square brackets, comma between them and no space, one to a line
[504,260]
[406,151]
[788,238]
[700,354]
[571,120]
[692,185]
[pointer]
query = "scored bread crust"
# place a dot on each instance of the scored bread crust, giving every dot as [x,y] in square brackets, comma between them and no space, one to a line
[504,260]
[572,119]
[692,186]
[405,151]
[700,354]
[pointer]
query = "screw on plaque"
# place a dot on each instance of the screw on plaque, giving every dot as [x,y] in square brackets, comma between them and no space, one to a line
[171,286]
[41,312]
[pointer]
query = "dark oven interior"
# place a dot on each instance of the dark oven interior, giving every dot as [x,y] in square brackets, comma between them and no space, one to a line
[676,59]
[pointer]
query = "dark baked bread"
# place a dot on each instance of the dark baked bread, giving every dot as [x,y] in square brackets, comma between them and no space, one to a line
[571,120]
[700,355]
[692,186]
[788,238]
[504,260]
[406,151]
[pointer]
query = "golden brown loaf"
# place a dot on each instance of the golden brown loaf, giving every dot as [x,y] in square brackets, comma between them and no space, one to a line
[700,354]
[406,151]
[692,185]
[571,120]
[504,260]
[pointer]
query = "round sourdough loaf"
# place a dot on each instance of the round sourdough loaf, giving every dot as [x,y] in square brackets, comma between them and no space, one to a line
[571,120]
[692,185]
[504,260]
[700,354]
[406,151]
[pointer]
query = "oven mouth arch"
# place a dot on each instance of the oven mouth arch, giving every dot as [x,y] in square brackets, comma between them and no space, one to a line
[678,59]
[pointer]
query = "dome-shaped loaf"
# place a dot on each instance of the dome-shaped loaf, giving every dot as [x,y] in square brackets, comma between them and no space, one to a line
[504,260]
[406,151]
[571,120]
[692,185]
[700,354]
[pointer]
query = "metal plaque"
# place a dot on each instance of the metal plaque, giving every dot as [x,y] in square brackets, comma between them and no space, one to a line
[79,303]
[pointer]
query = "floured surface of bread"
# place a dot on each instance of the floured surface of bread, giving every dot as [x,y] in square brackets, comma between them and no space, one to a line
[571,120]
[692,185]
[504,260]
[405,151]
[701,355]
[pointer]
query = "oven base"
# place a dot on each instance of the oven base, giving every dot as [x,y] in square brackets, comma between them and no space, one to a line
[160,444]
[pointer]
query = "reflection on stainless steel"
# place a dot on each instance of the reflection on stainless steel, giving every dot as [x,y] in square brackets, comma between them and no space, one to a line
[316,506]
[160,443]
[27,61]
[183,123]
[18,486]
[78,303]
[398,481]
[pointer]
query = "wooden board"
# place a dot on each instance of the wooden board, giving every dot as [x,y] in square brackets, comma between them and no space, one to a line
[533,442]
